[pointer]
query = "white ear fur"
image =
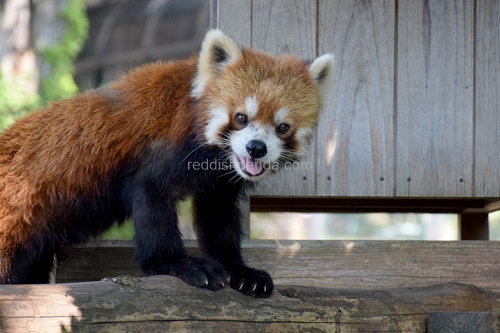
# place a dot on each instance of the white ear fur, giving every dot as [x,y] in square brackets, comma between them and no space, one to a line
[321,71]
[217,51]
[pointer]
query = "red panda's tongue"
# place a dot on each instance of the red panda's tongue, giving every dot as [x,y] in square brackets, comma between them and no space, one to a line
[251,165]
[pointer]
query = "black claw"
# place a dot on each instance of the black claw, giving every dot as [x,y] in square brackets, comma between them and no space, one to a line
[199,272]
[251,282]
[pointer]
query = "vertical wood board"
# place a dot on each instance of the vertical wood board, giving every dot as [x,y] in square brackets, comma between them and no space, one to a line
[434,98]
[487,103]
[235,20]
[283,26]
[355,133]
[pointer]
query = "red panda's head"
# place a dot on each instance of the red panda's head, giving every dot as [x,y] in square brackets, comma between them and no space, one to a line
[261,109]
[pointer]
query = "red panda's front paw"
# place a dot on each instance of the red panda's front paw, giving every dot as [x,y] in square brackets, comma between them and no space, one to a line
[199,272]
[204,273]
[251,281]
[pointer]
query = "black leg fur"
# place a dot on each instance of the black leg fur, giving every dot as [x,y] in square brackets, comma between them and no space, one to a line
[160,248]
[27,264]
[218,224]
[40,270]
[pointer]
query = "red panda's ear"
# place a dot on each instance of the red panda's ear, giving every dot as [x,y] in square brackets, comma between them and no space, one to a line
[217,51]
[321,71]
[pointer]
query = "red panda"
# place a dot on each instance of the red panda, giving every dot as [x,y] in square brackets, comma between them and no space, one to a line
[134,148]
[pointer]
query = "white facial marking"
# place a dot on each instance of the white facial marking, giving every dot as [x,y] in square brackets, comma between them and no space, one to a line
[303,135]
[252,107]
[281,115]
[219,118]
[197,88]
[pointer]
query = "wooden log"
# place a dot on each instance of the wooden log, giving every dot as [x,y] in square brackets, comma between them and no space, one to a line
[453,322]
[163,303]
[337,264]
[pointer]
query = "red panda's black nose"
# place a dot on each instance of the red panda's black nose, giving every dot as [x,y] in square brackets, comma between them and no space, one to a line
[256,148]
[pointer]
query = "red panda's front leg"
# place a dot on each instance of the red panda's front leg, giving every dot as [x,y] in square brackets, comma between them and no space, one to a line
[218,225]
[159,247]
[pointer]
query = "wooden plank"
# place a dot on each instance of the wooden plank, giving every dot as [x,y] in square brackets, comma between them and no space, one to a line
[214,17]
[355,145]
[458,322]
[235,19]
[339,264]
[474,226]
[487,92]
[284,26]
[434,98]
[130,304]
[96,261]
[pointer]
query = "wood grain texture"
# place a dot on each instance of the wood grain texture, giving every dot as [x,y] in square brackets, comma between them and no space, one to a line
[487,103]
[284,26]
[163,303]
[339,264]
[462,322]
[434,98]
[235,20]
[355,145]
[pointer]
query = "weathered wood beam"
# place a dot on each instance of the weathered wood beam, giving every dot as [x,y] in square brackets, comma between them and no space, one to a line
[163,303]
[338,264]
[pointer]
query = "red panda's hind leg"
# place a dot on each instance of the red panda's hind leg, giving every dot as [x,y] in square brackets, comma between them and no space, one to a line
[24,263]
[41,268]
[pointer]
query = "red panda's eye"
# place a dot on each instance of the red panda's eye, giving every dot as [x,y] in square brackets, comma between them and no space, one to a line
[283,128]
[241,119]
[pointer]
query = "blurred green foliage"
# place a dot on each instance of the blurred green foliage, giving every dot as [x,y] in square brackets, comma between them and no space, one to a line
[61,56]
[126,230]
[15,102]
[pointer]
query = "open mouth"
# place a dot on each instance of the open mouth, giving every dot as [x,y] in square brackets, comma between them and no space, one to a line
[251,166]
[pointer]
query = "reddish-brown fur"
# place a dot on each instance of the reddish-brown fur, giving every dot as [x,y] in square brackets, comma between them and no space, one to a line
[72,148]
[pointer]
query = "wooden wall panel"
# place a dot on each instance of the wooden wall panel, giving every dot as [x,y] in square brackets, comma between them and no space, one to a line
[487,103]
[235,20]
[355,145]
[434,98]
[283,26]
